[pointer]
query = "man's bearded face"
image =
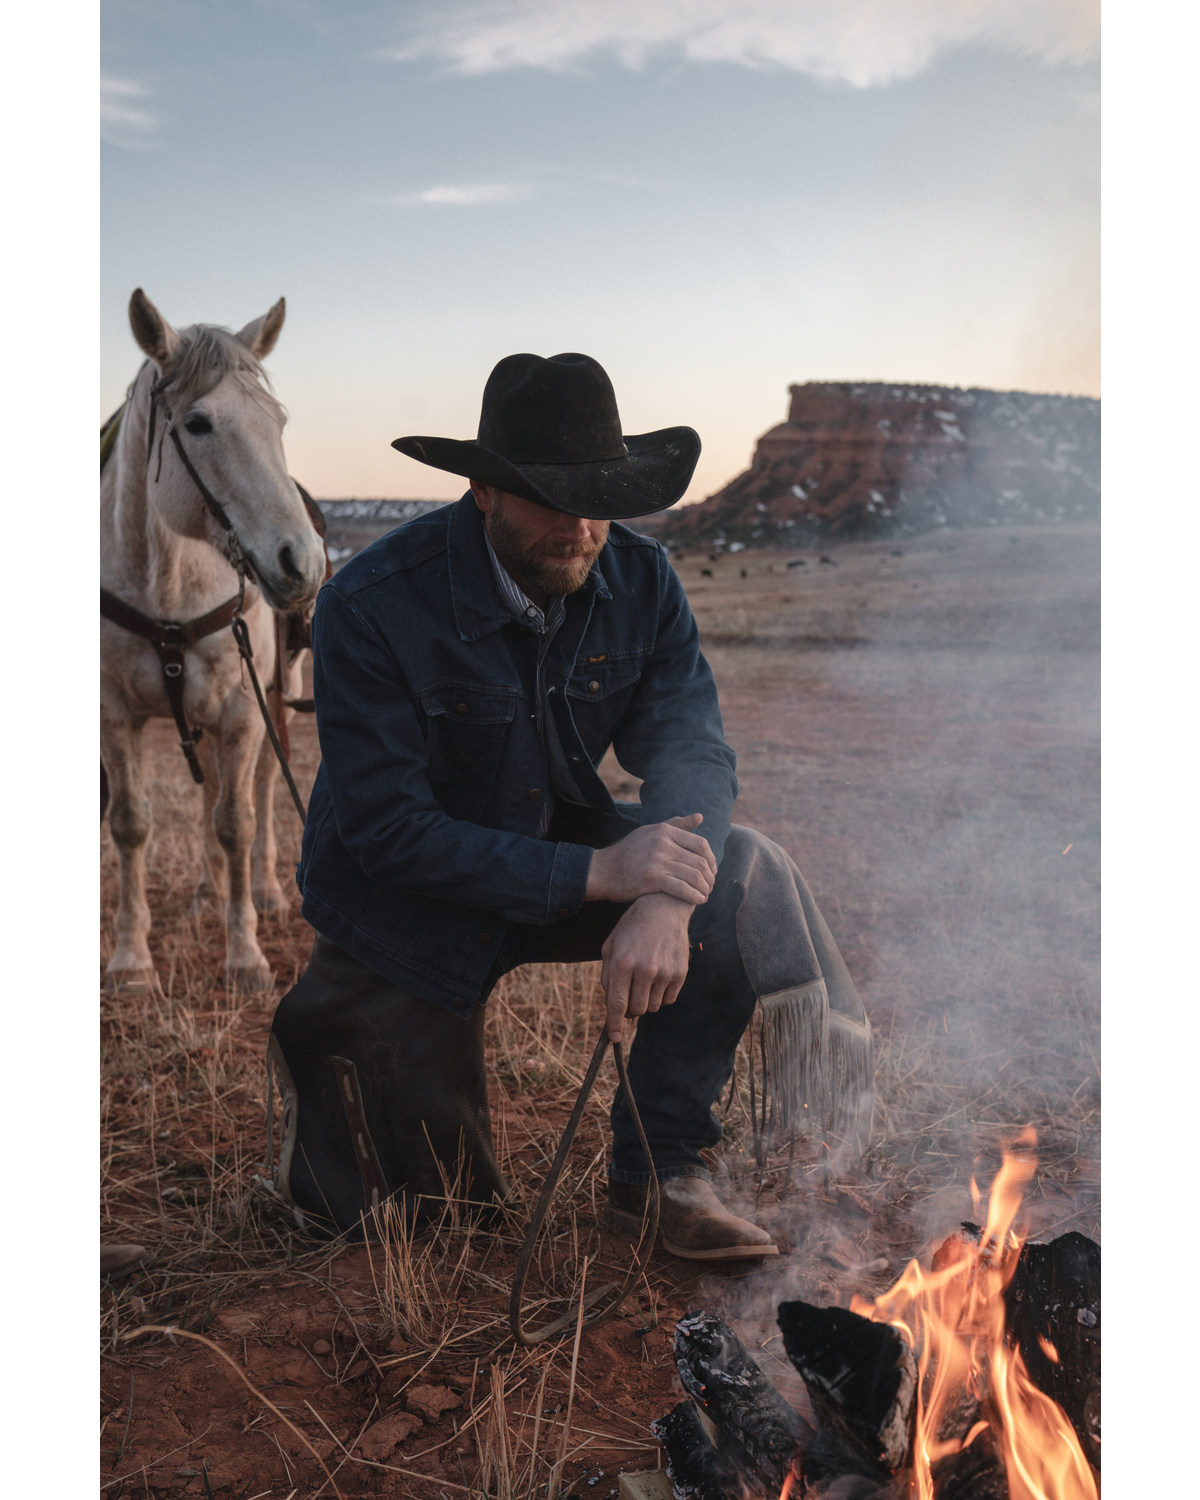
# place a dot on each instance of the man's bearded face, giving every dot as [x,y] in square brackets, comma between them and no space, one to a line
[543,550]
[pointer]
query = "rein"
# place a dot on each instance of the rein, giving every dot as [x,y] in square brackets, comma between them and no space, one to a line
[170,638]
[606,1299]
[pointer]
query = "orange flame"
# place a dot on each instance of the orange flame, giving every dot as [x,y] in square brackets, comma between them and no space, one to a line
[953,1317]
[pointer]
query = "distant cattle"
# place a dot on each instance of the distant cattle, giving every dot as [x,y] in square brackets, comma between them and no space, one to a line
[706,573]
[796,562]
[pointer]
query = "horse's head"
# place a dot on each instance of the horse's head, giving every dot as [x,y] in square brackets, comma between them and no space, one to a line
[211,390]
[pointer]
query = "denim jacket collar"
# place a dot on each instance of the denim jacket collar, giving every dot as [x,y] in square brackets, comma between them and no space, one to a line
[478,608]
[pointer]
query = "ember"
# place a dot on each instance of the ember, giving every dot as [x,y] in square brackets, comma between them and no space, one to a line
[978,1379]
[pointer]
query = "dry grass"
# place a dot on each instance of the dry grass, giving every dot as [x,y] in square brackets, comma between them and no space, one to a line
[927,794]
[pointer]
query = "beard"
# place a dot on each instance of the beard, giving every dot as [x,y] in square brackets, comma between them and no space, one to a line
[548,567]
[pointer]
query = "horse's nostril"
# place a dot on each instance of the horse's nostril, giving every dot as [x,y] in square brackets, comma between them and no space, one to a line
[287,564]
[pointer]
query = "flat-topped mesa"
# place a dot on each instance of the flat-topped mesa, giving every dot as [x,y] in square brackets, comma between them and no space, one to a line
[862,458]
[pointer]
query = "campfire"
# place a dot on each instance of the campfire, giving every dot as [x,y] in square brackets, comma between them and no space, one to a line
[977,1379]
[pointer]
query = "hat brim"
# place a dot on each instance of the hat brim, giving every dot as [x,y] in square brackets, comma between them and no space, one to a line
[653,474]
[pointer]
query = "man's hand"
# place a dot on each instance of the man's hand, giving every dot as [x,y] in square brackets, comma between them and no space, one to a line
[660,859]
[645,961]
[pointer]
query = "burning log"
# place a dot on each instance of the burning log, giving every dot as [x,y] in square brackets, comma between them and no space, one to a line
[767,1441]
[1052,1315]
[765,1434]
[1053,1306]
[976,1472]
[697,1470]
[861,1377]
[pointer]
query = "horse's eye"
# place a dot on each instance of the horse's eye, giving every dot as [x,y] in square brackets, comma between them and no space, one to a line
[197,425]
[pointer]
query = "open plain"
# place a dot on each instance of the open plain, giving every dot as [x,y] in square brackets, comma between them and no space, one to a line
[917,722]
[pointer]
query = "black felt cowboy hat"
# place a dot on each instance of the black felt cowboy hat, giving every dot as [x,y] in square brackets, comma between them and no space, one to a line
[550,432]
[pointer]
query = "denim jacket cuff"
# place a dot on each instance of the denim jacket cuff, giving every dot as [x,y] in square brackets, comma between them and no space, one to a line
[568,880]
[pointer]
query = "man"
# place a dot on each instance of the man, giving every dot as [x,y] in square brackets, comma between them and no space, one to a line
[470,670]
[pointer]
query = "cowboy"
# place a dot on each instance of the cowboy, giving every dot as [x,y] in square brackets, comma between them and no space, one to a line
[470,671]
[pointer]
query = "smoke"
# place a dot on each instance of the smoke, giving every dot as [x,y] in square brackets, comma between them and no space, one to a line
[938,784]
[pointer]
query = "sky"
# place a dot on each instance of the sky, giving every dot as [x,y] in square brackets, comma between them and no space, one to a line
[714,198]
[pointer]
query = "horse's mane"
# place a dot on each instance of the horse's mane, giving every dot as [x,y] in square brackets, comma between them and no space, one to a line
[207,355]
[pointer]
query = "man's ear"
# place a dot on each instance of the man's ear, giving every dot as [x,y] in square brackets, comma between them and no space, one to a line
[483,496]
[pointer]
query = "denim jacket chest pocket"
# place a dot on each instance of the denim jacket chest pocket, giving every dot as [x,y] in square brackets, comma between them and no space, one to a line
[598,677]
[466,728]
[598,690]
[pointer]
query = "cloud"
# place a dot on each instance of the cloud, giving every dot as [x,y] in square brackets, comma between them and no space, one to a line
[124,122]
[468,194]
[866,43]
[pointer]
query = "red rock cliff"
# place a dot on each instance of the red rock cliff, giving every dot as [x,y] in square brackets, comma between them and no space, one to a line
[855,458]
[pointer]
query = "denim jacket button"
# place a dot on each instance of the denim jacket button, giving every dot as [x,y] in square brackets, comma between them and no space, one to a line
[485,937]
[461,708]
[535,794]
[460,1004]
[593,686]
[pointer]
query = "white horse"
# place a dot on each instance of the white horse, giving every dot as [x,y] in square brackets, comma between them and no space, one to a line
[196,478]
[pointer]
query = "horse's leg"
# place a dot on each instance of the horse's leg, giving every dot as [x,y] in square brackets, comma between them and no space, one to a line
[239,738]
[268,893]
[129,820]
[212,888]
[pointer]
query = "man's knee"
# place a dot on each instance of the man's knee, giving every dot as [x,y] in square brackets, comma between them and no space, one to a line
[747,843]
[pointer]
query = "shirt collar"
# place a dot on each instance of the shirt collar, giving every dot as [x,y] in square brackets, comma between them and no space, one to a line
[515,596]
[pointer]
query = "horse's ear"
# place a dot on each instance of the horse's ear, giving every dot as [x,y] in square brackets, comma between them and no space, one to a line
[259,337]
[155,336]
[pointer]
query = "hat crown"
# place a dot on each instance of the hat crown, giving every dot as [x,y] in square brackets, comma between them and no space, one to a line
[561,410]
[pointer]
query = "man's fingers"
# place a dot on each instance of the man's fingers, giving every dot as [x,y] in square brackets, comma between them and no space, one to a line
[692,841]
[616,999]
[681,890]
[698,875]
[657,1000]
[687,820]
[639,993]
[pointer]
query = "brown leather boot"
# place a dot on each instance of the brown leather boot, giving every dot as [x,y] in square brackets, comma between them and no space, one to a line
[694,1222]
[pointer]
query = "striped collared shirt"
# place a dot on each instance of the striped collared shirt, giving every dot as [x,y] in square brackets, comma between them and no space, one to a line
[519,601]
[547,623]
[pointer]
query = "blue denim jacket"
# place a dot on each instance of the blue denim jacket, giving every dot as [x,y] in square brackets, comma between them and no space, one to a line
[421,843]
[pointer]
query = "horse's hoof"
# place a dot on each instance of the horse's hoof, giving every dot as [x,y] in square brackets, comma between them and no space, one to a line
[131,981]
[251,981]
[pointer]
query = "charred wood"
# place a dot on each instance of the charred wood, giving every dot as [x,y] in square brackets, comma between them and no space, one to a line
[1054,1299]
[861,1376]
[697,1471]
[976,1472]
[765,1435]
[1052,1314]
